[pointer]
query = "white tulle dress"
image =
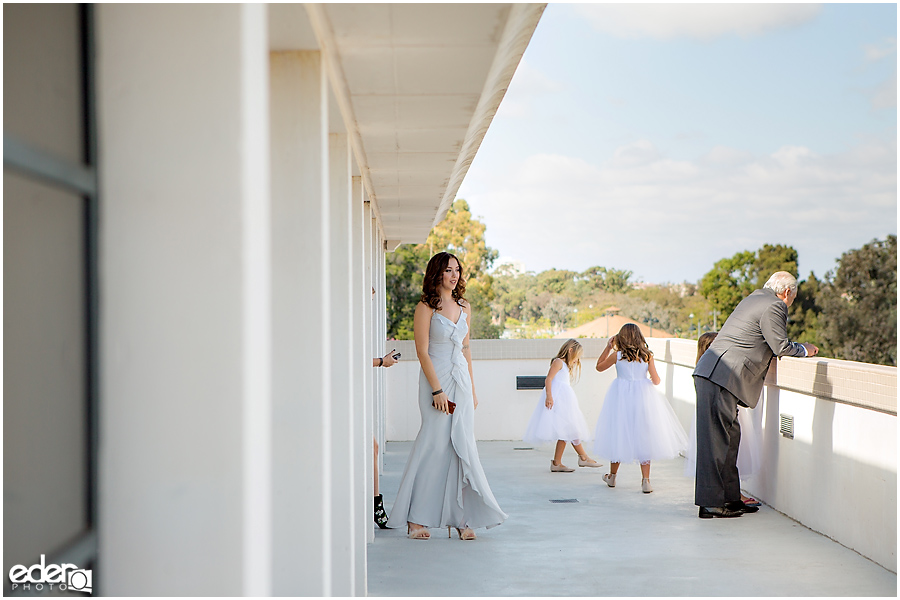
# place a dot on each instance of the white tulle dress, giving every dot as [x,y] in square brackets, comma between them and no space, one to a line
[564,421]
[636,423]
[749,458]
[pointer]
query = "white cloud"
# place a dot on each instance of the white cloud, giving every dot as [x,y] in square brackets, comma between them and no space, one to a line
[885,95]
[527,83]
[723,155]
[669,220]
[530,80]
[698,21]
[875,52]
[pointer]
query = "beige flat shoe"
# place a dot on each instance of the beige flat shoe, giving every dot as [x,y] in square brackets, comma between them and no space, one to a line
[588,462]
[610,479]
[645,486]
[560,468]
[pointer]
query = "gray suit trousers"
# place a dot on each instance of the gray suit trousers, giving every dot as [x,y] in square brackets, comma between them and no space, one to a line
[718,438]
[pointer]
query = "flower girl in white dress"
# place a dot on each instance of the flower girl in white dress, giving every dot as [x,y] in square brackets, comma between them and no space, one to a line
[556,417]
[636,423]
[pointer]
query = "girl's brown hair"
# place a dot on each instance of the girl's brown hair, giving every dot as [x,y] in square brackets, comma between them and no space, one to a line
[433,274]
[703,343]
[630,341]
[572,359]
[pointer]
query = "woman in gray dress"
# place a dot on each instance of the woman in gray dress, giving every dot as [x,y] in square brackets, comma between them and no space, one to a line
[443,484]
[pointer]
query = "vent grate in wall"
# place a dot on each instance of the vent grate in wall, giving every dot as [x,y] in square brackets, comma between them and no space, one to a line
[530,382]
[787,426]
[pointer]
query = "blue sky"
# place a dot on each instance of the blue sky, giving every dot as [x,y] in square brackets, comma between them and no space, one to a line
[661,138]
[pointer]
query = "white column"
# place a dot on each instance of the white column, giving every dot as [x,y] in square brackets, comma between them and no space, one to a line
[184,296]
[301,318]
[369,305]
[362,438]
[343,367]
[257,296]
[381,327]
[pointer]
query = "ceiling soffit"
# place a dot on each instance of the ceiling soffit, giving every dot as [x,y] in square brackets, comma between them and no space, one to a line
[417,86]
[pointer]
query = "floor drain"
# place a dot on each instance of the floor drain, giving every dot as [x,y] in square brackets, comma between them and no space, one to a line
[564,501]
[523,448]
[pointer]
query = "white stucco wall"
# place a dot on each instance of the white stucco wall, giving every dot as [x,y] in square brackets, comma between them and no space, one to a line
[503,412]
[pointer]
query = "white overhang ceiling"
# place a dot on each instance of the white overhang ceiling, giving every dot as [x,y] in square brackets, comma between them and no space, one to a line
[417,86]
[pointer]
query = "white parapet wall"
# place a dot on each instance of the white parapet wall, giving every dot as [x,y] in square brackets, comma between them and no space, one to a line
[503,411]
[837,475]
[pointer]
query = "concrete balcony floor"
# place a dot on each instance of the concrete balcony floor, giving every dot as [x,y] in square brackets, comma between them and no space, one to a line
[612,542]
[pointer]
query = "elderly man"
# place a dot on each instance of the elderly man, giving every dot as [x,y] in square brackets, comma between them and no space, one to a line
[731,373]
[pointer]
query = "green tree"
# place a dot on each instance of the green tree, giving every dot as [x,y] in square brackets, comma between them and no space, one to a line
[460,235]
[608,280]
[803,321]
[463,236]
[859,305]
[730,281]
[403,273]
[480,294]
[617,280]
[733,279]
[556,282]
[557,311]
[770,259]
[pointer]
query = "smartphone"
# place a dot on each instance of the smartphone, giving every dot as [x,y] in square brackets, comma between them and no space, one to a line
[451,406]
[396,356]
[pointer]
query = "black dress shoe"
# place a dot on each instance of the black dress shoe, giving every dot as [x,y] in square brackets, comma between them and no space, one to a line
[740,506]
[719,512]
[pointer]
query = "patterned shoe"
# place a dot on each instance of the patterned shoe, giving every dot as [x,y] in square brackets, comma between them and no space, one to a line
[381,517]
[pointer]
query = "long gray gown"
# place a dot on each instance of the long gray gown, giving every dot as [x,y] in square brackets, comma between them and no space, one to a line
[443,483]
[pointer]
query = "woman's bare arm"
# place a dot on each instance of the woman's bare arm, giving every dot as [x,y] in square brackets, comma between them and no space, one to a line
[555,365]
[651,367]
[608,356]
[421,328]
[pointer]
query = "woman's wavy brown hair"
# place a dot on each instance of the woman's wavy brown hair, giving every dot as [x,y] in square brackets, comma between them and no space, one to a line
[630,341]
[703,343]
[572,359]
[433,274]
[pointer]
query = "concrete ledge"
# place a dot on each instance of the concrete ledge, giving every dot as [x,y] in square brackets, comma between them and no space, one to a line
[860,384]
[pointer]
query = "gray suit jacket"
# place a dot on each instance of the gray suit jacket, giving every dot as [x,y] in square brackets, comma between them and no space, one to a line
[739,357]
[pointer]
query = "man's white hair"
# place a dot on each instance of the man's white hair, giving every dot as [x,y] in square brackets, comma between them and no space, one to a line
[780,281]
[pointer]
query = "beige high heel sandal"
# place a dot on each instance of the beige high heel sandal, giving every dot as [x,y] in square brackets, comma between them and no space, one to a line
[465,533]
[421,533]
